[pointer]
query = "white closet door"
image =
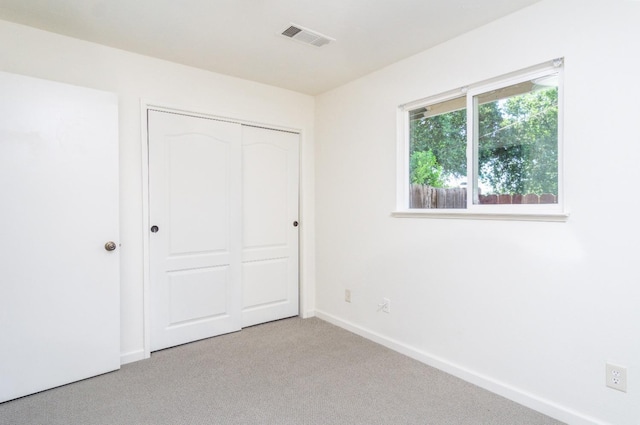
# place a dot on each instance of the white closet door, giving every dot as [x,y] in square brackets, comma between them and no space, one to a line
[195,246]
[60,290]
[270,177]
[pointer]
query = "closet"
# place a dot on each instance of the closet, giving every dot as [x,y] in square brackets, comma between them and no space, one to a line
[223,234]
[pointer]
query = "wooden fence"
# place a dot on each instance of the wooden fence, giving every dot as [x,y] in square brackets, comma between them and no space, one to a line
[423,196]
[529,198]
[432,197]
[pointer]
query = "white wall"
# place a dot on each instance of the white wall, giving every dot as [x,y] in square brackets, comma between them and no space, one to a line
[531,310]
[134,78]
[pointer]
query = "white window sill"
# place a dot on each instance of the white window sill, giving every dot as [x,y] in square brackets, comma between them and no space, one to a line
[475,215]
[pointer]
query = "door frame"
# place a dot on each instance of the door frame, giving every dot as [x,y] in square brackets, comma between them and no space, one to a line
[303,292]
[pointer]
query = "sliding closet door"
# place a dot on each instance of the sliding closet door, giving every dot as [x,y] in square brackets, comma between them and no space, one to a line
[223,236]
[60,285]
[196,223]
[270,225]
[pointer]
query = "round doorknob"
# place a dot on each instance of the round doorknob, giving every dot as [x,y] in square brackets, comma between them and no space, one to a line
[295,224]
[110,246]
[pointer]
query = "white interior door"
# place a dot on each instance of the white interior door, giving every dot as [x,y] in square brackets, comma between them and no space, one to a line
[195,248]
[59,294]
[270,229]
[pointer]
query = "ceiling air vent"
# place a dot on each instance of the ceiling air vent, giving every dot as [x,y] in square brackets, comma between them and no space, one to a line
[306,36]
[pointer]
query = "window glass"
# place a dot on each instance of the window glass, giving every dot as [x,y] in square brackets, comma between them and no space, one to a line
[437,155]
[494,144]
[517,143]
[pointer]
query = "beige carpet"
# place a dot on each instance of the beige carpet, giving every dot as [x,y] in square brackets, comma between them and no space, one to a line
[289,372]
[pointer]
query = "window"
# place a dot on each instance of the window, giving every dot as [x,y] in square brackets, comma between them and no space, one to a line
[492,148]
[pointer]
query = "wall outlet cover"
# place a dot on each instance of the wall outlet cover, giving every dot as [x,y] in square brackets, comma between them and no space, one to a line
[616,377]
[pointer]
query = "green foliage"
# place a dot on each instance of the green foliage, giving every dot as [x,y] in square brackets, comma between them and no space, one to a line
[517,143]
[446,136]
[425,169]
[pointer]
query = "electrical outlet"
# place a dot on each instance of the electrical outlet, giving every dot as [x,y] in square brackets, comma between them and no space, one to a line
[616,377]
[385,305]
[347,295]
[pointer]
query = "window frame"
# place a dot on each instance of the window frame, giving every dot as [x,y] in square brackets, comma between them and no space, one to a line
[537,212]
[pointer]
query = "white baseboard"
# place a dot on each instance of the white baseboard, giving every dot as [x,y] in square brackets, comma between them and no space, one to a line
[307,314]
[132,356]
[531,401]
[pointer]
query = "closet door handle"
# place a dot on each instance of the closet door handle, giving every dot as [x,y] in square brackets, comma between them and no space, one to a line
[295,224]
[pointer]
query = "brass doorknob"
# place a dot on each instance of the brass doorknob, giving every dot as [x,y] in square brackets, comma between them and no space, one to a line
[110,246]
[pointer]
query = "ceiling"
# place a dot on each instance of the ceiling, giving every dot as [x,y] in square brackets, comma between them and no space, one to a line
[242,37]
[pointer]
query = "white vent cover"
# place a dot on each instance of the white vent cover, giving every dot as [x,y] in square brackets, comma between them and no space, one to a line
[304,35]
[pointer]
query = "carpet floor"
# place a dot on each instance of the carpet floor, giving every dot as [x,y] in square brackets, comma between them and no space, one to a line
[288,372]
